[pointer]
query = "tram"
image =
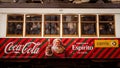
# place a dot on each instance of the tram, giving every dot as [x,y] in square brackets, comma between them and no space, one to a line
[90,32]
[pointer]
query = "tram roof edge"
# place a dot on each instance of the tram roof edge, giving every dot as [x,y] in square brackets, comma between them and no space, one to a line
[59,5]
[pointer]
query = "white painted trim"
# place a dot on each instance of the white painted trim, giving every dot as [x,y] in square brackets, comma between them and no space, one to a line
[57,10]
[61,11]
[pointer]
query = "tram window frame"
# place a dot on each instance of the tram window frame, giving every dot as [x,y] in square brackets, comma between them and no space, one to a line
[33,22]
[112,21]
[14,20]
[70,20]
[52,21]
[88,22]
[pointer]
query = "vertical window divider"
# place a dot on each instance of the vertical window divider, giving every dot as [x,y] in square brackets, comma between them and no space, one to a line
[42,29]
[24,25]
[115,26]
[6,25]
[98,35]
[79,25]
[61,27]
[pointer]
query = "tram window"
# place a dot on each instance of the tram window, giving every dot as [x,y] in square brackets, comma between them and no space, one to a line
[33,24]
[88,25]
[70,25]
[52,25]
[106,25]
[15,25]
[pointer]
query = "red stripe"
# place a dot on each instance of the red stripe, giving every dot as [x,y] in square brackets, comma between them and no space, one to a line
[76,53]
[96,52]
[116,52]
[22,55]
[66,44]
[68,40]
[42,40]
[42,50]
[30,55]
[1,40]
[91,51]
[64,41]
[9,55]
[90,43]
[2,48]
[34,55]
[103,53]
[109,52]
[118,56]
[21,43]
[84,50]
[42,54]
[69,48]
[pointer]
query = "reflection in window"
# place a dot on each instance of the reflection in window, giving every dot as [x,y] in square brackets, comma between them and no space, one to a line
[52,25]
[15,18]
[106,18]
[88,24]
[52,28]
[70,23]
[52,18]
[106,25]
[33,28]
[33,18]
[88,29]
[33,24]
[88,18]
[15,28]
[15,24]
[106,28]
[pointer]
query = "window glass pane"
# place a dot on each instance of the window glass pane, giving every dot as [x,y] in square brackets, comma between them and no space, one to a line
[106,25]
[88,29]
[106,18]
[88,24]
[33,27]
[52,25]
[88,18]
[69,18]
[15,18]
[33,18]
[52,28]
[70,28]
[52,18]
[70,25]
[33,24]
[15,28]
[106,28]
[15,25]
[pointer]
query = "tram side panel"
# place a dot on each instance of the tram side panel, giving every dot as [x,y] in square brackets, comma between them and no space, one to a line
[3,25]
[107,48]
[117,25]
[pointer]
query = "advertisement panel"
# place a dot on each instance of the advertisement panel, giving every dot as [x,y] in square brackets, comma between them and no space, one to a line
[106,48]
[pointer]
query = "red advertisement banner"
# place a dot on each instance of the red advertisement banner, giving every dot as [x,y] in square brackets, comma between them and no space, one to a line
[60,48]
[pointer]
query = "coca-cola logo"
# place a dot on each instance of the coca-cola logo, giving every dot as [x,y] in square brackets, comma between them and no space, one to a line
[28,48]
